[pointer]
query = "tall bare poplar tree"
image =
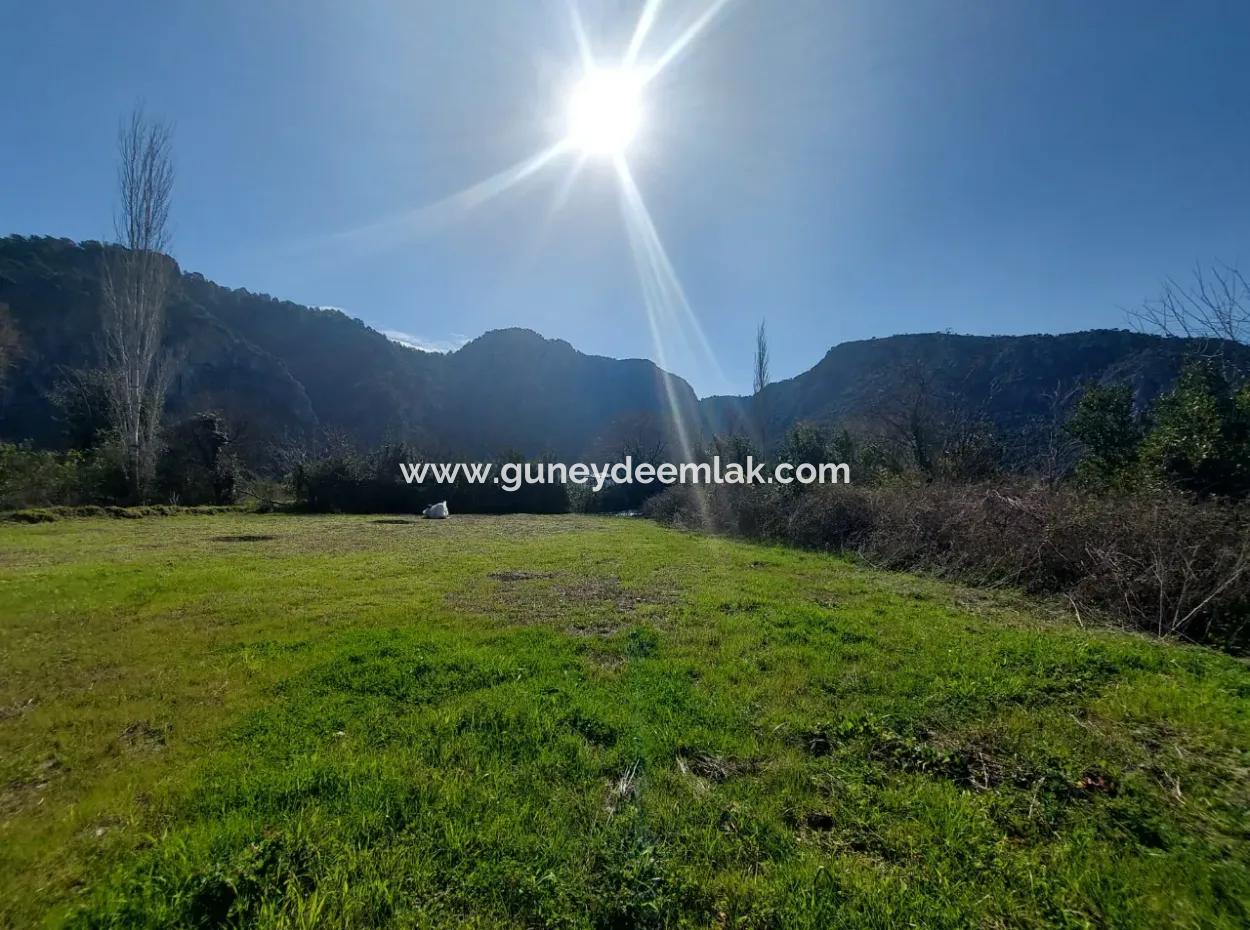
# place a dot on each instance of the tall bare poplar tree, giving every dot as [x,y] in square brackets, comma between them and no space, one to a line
[759,381]
[137,280]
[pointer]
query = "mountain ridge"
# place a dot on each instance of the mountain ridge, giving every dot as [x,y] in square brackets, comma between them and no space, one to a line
[1003,378]
[284,373]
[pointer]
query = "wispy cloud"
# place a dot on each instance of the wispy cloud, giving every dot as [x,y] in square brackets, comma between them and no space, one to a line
[450,344]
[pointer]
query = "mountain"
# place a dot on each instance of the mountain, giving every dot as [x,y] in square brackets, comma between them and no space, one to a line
[1013,381]
[513,389]
[52,287]
[280,372]
[283,374]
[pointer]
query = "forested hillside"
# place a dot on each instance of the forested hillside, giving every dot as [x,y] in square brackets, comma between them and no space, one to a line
[1021,384]
[279,373]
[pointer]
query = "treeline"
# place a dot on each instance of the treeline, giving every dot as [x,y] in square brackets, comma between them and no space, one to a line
[197,465]
[339,478]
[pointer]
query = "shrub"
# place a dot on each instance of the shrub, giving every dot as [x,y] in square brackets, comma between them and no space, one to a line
[1200,442]
[1161,563]
[344,480]
[197,464]
[33,478]
[1106,425]
[1197,440]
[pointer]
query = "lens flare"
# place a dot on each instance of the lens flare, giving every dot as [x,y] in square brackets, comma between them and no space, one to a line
[605,111]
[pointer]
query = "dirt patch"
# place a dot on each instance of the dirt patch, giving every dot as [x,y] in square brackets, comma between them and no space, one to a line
[395,522]
[816,743]
[250,537]
[28,792]
[582,604]
[142,736]
[604,590]
[518,576]
[17,708]
[1098,782]
[819,821]
[604,628]
[979,763]
[712,766]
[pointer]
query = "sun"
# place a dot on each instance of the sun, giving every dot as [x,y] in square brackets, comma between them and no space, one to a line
[605,111]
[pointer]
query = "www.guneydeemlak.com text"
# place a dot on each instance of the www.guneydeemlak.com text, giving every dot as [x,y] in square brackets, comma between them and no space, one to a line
[512,476]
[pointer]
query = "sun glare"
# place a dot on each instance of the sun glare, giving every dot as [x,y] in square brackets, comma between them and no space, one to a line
[605,111]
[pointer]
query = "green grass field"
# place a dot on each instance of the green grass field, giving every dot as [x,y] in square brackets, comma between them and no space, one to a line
[284,721]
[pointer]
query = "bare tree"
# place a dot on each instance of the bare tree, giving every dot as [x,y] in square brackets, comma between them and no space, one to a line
[761,359]
[642,435]
[907,412]
[1213,309]
[759,381]
[931,426]
[1057,450]
[137,280]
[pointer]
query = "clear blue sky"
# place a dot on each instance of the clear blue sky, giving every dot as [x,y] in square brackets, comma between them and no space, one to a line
[844,169]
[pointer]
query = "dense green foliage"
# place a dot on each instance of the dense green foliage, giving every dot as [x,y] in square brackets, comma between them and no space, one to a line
[10,342]
[1196,439]
[40,478]
[1107,426]
[1200,438]
[1153,533]
[299,721]
[198,464]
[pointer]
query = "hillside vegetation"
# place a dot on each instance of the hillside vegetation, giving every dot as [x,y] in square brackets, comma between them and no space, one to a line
[279,373]
[331,721]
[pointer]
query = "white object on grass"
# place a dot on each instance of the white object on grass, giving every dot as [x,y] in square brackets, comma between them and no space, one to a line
[436,511]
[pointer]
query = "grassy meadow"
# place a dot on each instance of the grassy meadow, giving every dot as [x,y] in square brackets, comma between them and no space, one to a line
[287,721]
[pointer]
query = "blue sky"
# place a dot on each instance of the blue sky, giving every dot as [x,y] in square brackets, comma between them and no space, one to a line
[842,169]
